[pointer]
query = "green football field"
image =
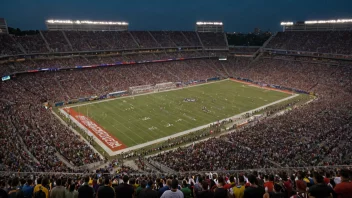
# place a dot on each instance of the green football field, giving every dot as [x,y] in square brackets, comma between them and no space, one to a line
[139,119]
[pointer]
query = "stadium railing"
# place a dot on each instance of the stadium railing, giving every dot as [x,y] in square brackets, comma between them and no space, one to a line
[288,170]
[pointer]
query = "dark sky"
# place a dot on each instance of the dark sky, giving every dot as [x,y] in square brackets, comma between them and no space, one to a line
[237,15]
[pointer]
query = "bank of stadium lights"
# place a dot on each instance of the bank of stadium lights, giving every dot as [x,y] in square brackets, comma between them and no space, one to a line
[329,21]
[86,22]
[209,23]
[286,23]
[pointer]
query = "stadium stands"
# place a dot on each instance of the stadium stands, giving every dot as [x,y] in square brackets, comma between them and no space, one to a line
[32,44]
[328,81]
[334,42]
[8,46]
[322,127]
[317,134]
[211,39]
[243,50]
[59,41]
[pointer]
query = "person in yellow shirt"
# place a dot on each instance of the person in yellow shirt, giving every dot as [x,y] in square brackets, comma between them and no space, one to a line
[41,183]
[238,191]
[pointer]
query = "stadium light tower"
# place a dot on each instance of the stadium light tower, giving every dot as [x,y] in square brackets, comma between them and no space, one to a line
[202,26]
[3,26]
[318,25]
[85,25]
[284,24]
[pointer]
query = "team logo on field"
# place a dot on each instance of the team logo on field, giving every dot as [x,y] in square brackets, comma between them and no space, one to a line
[101,133]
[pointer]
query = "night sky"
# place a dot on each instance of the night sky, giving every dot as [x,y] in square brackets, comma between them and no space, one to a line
[237,15]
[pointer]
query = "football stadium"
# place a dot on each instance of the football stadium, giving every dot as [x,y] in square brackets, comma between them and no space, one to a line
[90,107]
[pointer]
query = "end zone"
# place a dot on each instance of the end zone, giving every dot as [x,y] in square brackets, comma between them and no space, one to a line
[104,138]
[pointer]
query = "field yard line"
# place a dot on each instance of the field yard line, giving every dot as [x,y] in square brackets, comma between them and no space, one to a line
[119,98]
[111,153]
[138,127]
[174,115]
[141,110]
[123,125]
[206,116]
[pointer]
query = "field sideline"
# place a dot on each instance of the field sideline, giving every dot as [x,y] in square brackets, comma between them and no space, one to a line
[140,119]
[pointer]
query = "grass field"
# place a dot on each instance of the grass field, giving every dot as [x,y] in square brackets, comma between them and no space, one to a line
[139,119]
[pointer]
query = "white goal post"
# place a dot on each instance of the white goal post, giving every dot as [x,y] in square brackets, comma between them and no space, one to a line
[150,88]
[141,89]
[165,86]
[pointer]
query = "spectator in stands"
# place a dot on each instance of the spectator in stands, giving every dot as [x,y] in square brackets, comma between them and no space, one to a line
[238,190]
[148,192]
[198,187]
[269,183]
[59,190]
[41,187]
[187,193]
[174,192]
[141,187]
[71,192]
[28,188]
[220,191]
[124,190]
[165,187]
[15,191]
[96,185]
[3,191]
[320,189]
[204,192]
[85,191]
[106,191]
[253,191]
[344,189]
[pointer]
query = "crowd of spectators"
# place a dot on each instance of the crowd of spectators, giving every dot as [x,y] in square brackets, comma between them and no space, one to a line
[74,84]
[163,38]
[334,42]
[243,49]
[8,67]
[35,134]
[145,39]
[212,39]
[32,44]
[315,134]
[57,41]
[180,39]
[67,41]
[250,184]
[8,45]
[192,38]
